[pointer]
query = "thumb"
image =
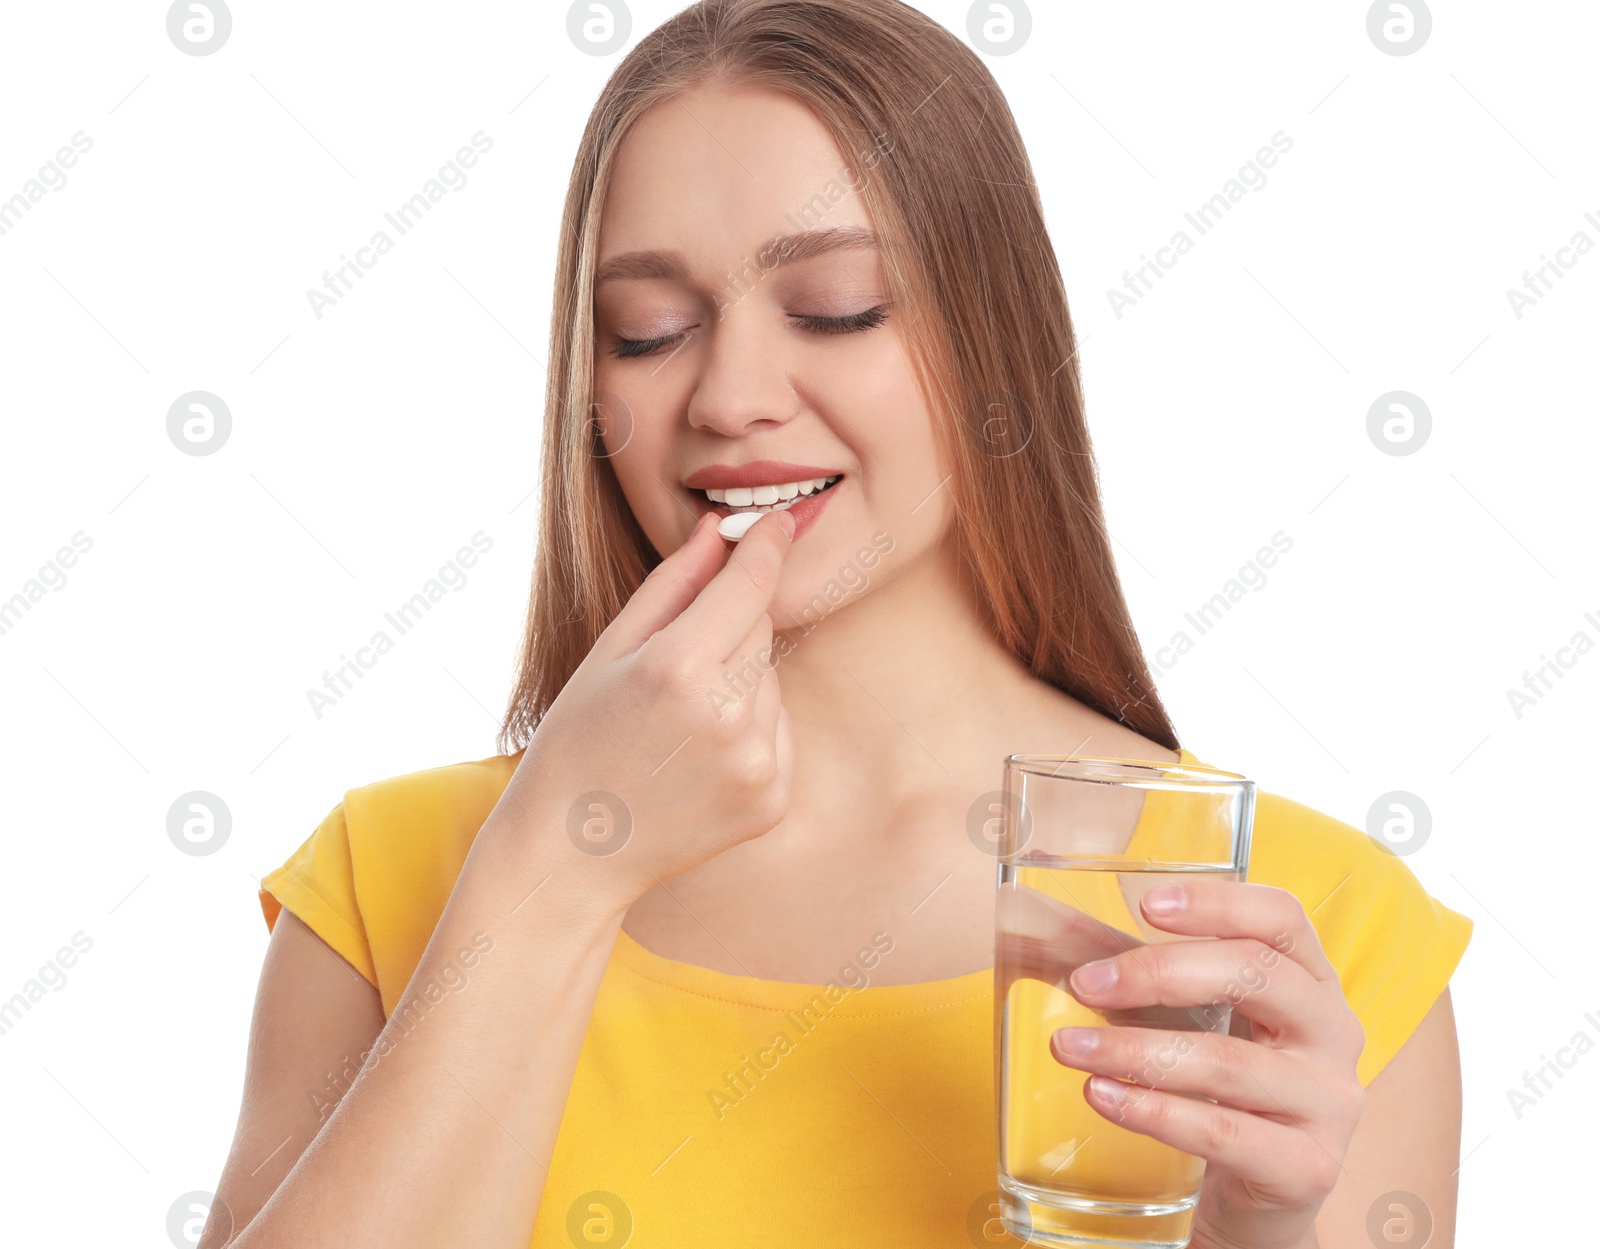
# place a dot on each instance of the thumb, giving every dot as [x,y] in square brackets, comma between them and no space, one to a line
[669,588]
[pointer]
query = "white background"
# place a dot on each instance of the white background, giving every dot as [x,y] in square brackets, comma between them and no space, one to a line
[369,444]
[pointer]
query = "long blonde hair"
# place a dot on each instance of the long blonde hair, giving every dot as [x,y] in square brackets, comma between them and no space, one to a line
[936,155]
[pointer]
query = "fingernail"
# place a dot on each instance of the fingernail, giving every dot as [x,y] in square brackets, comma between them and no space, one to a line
[786,522]
[1113,1091]
[1167,900]
[1077,1042]
[1095,977]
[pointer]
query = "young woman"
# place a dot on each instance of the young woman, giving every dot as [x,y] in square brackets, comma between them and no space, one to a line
[704,957]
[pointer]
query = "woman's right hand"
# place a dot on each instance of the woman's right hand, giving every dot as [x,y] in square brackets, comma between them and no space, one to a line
[670,742]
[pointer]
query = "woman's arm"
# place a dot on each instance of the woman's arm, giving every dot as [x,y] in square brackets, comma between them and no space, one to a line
[315,1015]
[446,1137]
[1408,1139]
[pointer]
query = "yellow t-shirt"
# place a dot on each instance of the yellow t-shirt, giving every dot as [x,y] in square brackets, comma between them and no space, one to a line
[726,1110]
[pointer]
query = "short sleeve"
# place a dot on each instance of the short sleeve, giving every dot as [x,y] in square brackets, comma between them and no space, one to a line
[1393,944]
[317,884]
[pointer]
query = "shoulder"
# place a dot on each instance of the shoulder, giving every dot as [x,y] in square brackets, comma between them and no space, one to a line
[411,832]
[438,799]
[390,853]
[1293,842]
[1351,884]
[1303,849]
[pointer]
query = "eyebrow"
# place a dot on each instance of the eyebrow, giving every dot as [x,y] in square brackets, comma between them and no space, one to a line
[780,250]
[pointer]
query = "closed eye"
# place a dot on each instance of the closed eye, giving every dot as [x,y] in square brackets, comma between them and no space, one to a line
[870,319]
[629,348]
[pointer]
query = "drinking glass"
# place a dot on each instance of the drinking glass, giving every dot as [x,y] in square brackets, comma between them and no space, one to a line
[1081,840]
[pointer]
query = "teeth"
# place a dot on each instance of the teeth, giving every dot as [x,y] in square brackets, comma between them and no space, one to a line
[769,498]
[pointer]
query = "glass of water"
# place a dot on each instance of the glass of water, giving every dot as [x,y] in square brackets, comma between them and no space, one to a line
[1081,841]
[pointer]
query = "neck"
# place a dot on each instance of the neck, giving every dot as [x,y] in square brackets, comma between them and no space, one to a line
[905,690]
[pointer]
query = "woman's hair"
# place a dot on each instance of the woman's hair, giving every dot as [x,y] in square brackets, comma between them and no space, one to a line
[931,146]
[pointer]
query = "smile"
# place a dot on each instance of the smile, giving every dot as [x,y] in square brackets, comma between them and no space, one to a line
[775,498]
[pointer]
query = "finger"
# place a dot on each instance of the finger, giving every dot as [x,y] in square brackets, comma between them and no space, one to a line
[669,588]
[1284,1163]
[1237,1073]
[1210,976]
[742,675]
[785,742]
[713,625]
[768,700]
[773,726]
[1231,908]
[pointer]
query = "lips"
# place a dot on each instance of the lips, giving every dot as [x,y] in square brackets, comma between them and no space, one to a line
[805,510]
[768,498]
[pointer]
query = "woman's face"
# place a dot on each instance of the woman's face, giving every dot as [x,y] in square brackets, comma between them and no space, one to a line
[711,354]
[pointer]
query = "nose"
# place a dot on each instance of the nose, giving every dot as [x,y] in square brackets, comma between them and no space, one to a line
[743,383]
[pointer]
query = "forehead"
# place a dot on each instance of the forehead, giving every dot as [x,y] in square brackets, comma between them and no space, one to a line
[716,171]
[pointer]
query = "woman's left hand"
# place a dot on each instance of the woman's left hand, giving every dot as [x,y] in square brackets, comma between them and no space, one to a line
[1287,1100]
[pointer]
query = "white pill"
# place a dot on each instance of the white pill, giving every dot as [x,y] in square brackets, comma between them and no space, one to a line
[737,525]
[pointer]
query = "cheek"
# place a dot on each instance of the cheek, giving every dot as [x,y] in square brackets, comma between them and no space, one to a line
[633,427]
[872,399]
[636,464]
[613,420]
[899,442]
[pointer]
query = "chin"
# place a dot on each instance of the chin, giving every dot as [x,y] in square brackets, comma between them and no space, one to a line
[817,583]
